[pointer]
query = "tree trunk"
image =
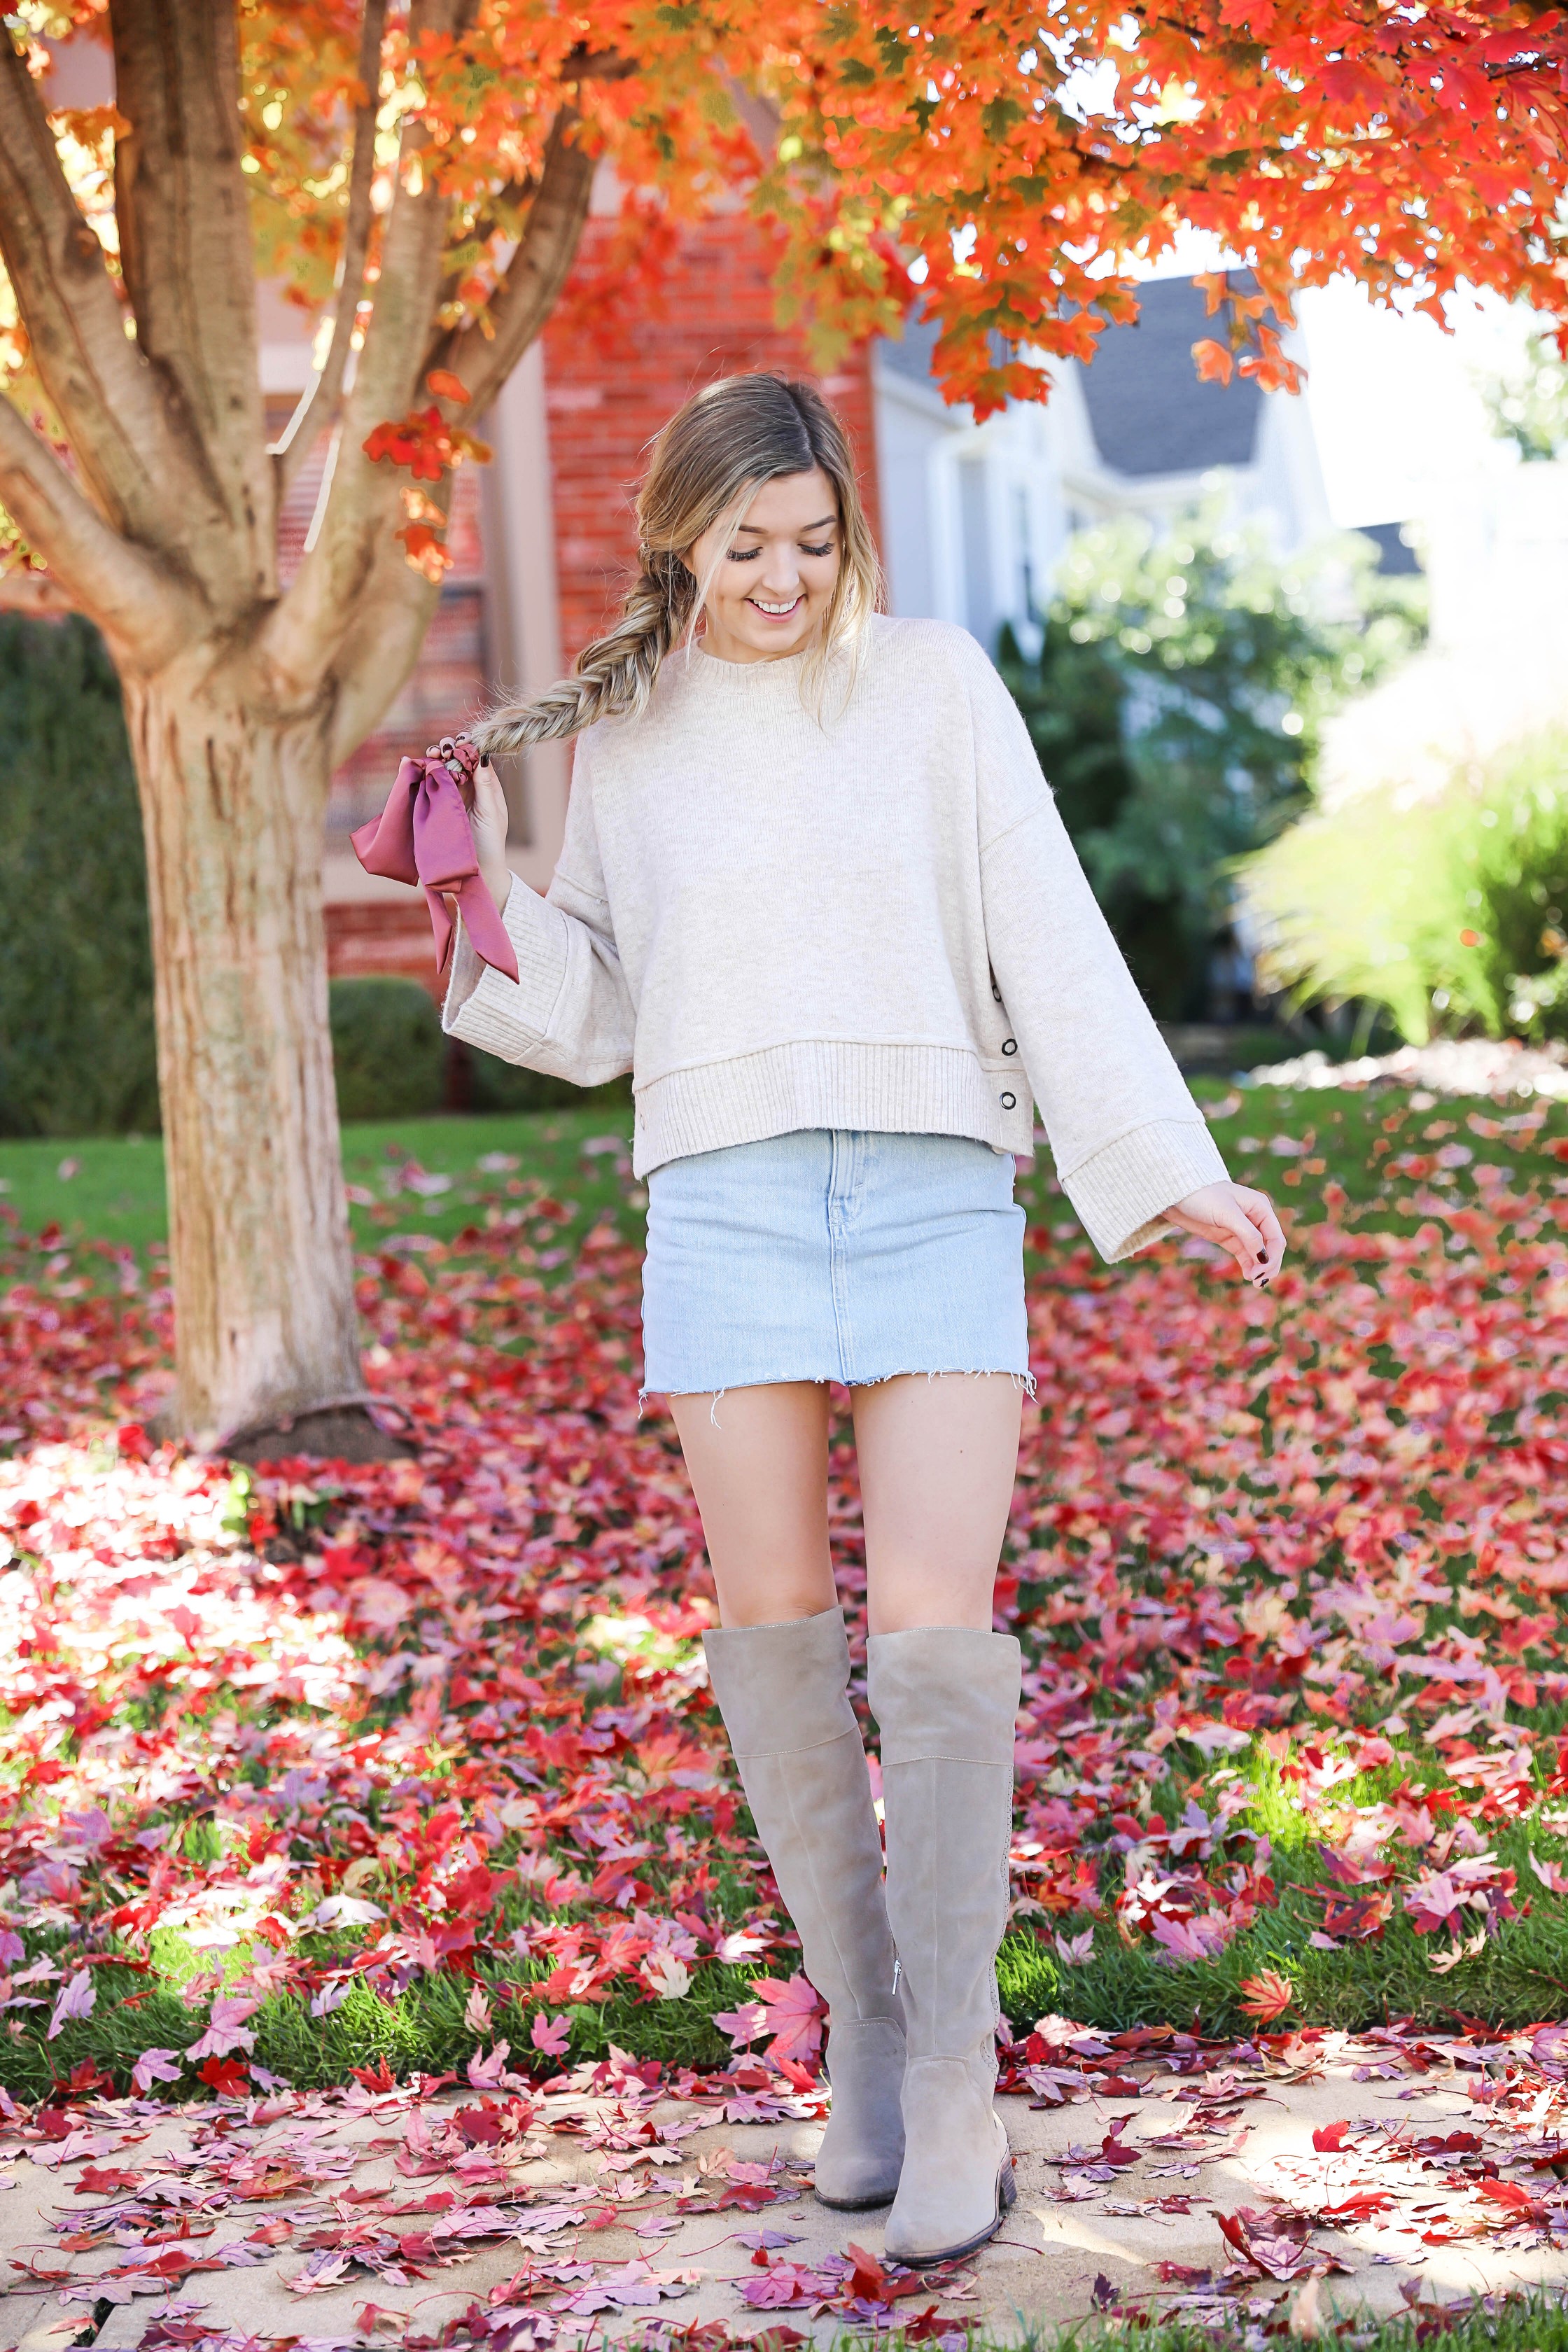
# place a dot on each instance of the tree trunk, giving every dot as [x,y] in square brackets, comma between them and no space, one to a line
[233,803]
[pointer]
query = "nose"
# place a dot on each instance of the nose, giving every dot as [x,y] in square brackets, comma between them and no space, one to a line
[781,570]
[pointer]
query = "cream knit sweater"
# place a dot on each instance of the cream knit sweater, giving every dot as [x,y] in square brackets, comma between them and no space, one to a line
[876,920]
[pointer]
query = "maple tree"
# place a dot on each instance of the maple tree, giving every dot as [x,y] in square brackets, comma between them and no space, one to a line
[421,172]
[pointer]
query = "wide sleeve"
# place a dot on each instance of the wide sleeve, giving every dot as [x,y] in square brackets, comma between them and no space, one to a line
[1128,1138]
[569,1012]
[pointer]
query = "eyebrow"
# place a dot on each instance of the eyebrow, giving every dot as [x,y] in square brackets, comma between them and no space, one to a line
[756,528]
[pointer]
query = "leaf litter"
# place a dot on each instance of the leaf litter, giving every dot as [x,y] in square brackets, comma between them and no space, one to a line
[416,1764]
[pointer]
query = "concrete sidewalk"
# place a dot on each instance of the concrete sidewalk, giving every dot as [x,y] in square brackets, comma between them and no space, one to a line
[1119,2199]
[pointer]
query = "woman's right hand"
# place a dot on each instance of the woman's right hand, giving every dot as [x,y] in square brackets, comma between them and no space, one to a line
[488,816]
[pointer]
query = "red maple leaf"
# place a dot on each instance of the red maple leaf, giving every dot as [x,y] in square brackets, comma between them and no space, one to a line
[226,2077]
[795,2010]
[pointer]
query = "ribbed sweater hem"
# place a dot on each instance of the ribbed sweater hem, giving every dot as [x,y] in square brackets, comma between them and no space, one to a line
[829,1082]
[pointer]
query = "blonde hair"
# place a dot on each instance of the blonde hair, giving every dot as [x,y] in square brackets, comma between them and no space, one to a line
[708,463]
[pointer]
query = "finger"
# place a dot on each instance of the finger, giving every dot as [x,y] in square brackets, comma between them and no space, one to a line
[486,811]
[1269,1244]
[475,776]
[1273,1233]
[1236,1231]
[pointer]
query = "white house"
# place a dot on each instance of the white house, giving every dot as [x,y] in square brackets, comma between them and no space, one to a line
[1495,669]
[976,517]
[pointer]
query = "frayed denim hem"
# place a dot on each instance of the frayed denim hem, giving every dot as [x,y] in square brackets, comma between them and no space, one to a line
[1023,1381]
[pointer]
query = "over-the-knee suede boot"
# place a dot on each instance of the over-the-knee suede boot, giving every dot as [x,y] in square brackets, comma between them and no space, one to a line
[946,1698]
[783,1692]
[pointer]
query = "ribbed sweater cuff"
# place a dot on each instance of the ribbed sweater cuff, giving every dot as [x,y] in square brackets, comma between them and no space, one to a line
[1121,1194]
[502,1016]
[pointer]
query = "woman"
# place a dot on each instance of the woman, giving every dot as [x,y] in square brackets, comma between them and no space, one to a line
[816,897]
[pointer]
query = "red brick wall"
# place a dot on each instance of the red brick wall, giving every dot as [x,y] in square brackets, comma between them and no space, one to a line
[715,316]
[382,937]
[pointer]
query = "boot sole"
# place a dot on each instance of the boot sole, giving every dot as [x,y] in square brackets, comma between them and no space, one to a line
[856,2204]
[1006,2197]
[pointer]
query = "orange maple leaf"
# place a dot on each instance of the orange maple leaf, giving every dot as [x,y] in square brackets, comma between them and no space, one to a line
[1267,1996]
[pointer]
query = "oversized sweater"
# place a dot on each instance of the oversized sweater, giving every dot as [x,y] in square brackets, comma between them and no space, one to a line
[873,918]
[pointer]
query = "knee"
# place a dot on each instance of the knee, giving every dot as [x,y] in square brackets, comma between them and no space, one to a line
[774,1600]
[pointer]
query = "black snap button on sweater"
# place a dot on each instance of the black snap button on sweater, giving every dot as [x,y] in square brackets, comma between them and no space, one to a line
[1009,1045]
[1009,1101]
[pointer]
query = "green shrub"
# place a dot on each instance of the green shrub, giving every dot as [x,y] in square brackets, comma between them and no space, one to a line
[505,1086]
[392,1061]
[388,1049]
[1528,402]
[78,1052]
[1174,701]
[1448,912]
[76,1049]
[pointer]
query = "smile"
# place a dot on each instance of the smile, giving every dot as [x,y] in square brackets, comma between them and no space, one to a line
[776,612]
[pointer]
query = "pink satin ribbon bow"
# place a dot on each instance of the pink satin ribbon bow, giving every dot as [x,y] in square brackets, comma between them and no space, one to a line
[423,836]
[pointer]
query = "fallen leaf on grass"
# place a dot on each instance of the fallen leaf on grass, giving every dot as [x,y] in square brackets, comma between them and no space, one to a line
[1267,1996]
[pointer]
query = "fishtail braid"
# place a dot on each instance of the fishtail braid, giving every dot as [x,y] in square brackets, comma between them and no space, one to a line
[614,676]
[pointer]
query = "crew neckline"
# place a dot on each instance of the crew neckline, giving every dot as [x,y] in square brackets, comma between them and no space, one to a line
[709,676]
[781,677]
[791,662]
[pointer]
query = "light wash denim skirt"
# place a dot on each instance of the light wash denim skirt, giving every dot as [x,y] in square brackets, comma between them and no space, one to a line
[833,1255]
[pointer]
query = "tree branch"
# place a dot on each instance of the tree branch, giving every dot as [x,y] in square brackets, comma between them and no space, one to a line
[376,658]
[185,249]
[133,457]
[322,400]
[528,292]
[36,594]
[144,612]
[394,607]
[301,639]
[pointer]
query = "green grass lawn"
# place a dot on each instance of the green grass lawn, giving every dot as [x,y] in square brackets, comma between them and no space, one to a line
[110,1188]
[1528,2322]
[1356,1138]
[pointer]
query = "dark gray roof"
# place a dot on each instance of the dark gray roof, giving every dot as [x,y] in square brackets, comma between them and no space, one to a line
[910,355]
[1394,552]
[1148,411]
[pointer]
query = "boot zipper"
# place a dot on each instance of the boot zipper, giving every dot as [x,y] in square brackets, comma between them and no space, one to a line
[897,1972]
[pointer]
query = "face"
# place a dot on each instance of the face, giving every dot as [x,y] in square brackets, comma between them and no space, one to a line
[771,585]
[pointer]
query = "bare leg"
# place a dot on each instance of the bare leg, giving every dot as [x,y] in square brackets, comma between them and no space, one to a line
[758,1463]
[938,1458]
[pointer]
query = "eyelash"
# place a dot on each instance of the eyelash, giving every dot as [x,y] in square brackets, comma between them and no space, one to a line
[750,555]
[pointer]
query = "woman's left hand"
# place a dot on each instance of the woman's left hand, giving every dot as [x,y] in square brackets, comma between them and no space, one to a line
[485,799]
[1238,1219]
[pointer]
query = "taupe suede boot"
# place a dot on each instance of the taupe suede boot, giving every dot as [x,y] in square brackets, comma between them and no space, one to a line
[946,1698]
[783,1692]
